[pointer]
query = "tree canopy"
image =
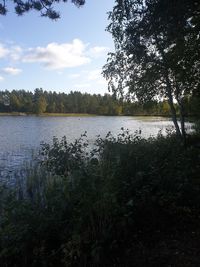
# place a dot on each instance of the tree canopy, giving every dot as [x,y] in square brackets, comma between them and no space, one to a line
[45,7]
[157,50]
[41,101]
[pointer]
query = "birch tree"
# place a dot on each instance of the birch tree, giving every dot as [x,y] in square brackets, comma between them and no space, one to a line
[157,51]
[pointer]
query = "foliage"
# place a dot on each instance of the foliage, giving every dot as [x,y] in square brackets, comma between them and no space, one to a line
[76,102]
[156,51]
[32,226]
[45,7]
[127,201]
[62,157]
[40,103]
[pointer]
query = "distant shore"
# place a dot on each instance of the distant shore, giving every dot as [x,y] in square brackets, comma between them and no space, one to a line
[76,114]
[142,116]
[47,114]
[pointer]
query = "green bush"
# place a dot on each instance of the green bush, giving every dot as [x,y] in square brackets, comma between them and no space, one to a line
[118,203]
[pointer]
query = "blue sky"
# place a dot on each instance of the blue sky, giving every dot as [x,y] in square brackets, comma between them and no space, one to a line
[63,55]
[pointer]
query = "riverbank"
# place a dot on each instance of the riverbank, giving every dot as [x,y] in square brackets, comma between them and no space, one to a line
[13,114]
[142,116]
[139,116]
[47,114]
[66,115]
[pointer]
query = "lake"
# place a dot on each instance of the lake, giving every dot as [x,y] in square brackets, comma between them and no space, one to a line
[20,136]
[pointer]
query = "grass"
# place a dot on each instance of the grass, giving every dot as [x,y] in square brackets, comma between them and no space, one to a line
[47,114]
[13,114]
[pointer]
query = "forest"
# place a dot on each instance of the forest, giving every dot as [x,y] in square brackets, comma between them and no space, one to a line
[41,102]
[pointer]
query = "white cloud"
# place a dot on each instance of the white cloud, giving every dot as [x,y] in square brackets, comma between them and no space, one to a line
[59,56]
[90,79]
[10,52]
[74,75]
[98,51]
[15,53]
[54,56]
[11,70]
[95,75]
[82,85]
[1,78]
[59,72]
[3,51]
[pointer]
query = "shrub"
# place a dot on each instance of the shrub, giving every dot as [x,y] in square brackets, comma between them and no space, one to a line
[114,204]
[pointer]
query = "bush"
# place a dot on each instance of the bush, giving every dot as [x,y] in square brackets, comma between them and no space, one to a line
[118,203]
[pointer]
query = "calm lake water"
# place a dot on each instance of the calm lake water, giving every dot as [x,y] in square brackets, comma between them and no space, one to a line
[21,135]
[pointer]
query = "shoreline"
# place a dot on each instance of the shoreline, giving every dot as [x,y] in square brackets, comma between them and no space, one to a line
[189,119]
[77,115]
[47,114]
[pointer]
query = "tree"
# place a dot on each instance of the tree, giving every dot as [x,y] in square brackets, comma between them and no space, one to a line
[157,51]
[14,102]
[40,105]
[45,7]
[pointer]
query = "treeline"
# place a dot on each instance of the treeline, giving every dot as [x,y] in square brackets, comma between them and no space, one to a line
[76,102]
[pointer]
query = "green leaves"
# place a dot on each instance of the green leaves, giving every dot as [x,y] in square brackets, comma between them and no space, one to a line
[45,7]
[156,51]
[3,9]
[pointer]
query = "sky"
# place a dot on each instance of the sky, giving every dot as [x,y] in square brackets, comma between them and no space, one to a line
[63,55]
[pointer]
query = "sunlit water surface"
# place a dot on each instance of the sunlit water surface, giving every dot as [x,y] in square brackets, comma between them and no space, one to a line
[21,136]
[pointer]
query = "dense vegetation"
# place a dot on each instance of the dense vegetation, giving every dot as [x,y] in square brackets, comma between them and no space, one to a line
[75,102]
[126,202]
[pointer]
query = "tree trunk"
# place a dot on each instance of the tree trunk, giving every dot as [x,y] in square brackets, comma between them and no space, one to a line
[171,104]
[182,120]
[174,117]
[182,115]
[168,88]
